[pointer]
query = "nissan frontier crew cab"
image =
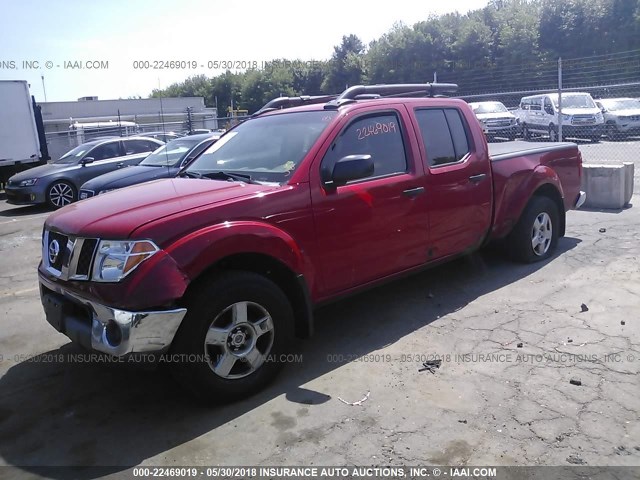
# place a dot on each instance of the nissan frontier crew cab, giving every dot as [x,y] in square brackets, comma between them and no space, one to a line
[311,199]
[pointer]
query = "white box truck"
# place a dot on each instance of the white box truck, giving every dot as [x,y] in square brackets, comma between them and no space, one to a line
[19,138]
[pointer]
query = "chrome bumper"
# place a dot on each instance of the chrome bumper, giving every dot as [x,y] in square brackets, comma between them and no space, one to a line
[106,329]
[582,197]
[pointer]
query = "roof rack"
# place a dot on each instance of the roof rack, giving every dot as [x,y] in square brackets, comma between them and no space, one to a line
[359,92]
[287,102]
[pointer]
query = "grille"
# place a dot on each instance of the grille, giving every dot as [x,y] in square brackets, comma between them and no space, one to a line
[583,119]
[57,251]
[86,256]
[74,255]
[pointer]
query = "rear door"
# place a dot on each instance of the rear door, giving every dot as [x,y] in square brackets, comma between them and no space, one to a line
[375,226]
[458,181]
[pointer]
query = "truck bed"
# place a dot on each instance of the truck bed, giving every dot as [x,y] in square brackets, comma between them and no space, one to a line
[506,150]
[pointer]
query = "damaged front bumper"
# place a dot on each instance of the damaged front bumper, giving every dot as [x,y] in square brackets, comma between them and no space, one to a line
[106,329]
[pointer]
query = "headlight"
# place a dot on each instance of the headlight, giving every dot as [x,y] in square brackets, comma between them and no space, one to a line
[115,259]
[28,183]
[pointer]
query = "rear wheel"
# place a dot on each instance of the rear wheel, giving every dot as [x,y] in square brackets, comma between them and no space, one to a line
[61,194]
[553,135]
[535,236]
[231,341]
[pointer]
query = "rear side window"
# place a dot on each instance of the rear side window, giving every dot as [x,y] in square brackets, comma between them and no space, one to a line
[376,135]
[444,135]
[106,150]
[139,146]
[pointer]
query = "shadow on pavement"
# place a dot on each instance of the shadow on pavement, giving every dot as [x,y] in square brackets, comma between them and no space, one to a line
[81,414]
[26,210]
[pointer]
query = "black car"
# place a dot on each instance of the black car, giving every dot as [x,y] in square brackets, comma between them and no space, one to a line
[57,183]
[165,162]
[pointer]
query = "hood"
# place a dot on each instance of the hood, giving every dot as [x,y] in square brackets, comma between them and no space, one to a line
[42,171]
[581,111]
[116,215]
[495,115]
[625,113]
[124,177]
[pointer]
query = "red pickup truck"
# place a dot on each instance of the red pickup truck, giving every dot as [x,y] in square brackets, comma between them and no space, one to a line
[313,198]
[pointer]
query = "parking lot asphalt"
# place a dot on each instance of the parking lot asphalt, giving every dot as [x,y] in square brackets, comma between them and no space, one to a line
[514,341]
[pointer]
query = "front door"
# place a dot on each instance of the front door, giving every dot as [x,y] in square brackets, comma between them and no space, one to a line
[376,226]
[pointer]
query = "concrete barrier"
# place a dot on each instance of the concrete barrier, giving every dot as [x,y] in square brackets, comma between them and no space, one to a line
[607,186]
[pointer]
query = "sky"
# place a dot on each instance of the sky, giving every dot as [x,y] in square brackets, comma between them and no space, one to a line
[86,48]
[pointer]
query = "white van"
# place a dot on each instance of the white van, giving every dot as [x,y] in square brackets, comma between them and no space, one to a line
[581,117]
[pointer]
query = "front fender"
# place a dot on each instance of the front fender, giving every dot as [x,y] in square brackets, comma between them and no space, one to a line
[199,250]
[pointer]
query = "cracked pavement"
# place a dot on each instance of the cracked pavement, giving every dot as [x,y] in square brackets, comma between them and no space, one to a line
[511,338]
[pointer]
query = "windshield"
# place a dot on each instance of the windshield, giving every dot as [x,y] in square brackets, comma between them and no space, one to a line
[625,104]
[488,107]
[576,101]
[268,148]
[72,156]
[170,153]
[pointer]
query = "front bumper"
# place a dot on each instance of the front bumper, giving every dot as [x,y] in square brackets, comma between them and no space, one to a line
[582,130]
[24,196]
[107,329]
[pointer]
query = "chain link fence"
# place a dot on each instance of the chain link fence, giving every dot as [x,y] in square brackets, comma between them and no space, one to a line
[592,101]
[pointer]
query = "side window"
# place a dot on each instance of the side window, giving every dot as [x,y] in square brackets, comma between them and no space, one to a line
[378,136]
[104,151]
[536,104]
[138,146]
[444,136]
[548,108]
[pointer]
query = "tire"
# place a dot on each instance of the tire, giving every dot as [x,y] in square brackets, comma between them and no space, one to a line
[612,131]
[252,318]
[553,135]
[535,236]
[60,194]
[526,134]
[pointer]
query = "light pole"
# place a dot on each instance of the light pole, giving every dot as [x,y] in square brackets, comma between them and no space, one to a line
[44,89]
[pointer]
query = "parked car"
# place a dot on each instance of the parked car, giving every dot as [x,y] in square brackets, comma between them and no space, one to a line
[163,136]
[222,266]
[165,162]
[581,118]
[497,120]
[57,183]
[621,116]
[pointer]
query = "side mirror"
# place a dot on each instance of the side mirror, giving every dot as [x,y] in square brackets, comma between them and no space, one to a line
[351,167]
[86,160]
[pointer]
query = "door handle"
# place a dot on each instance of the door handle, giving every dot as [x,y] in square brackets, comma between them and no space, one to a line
[413,192]
[477,178]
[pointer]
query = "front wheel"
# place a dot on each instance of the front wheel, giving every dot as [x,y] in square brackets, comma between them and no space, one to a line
[231,342]
[526,134]
[535,236]
[61,194]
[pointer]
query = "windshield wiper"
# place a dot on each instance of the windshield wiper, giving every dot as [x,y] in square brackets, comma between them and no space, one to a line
[230,176]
